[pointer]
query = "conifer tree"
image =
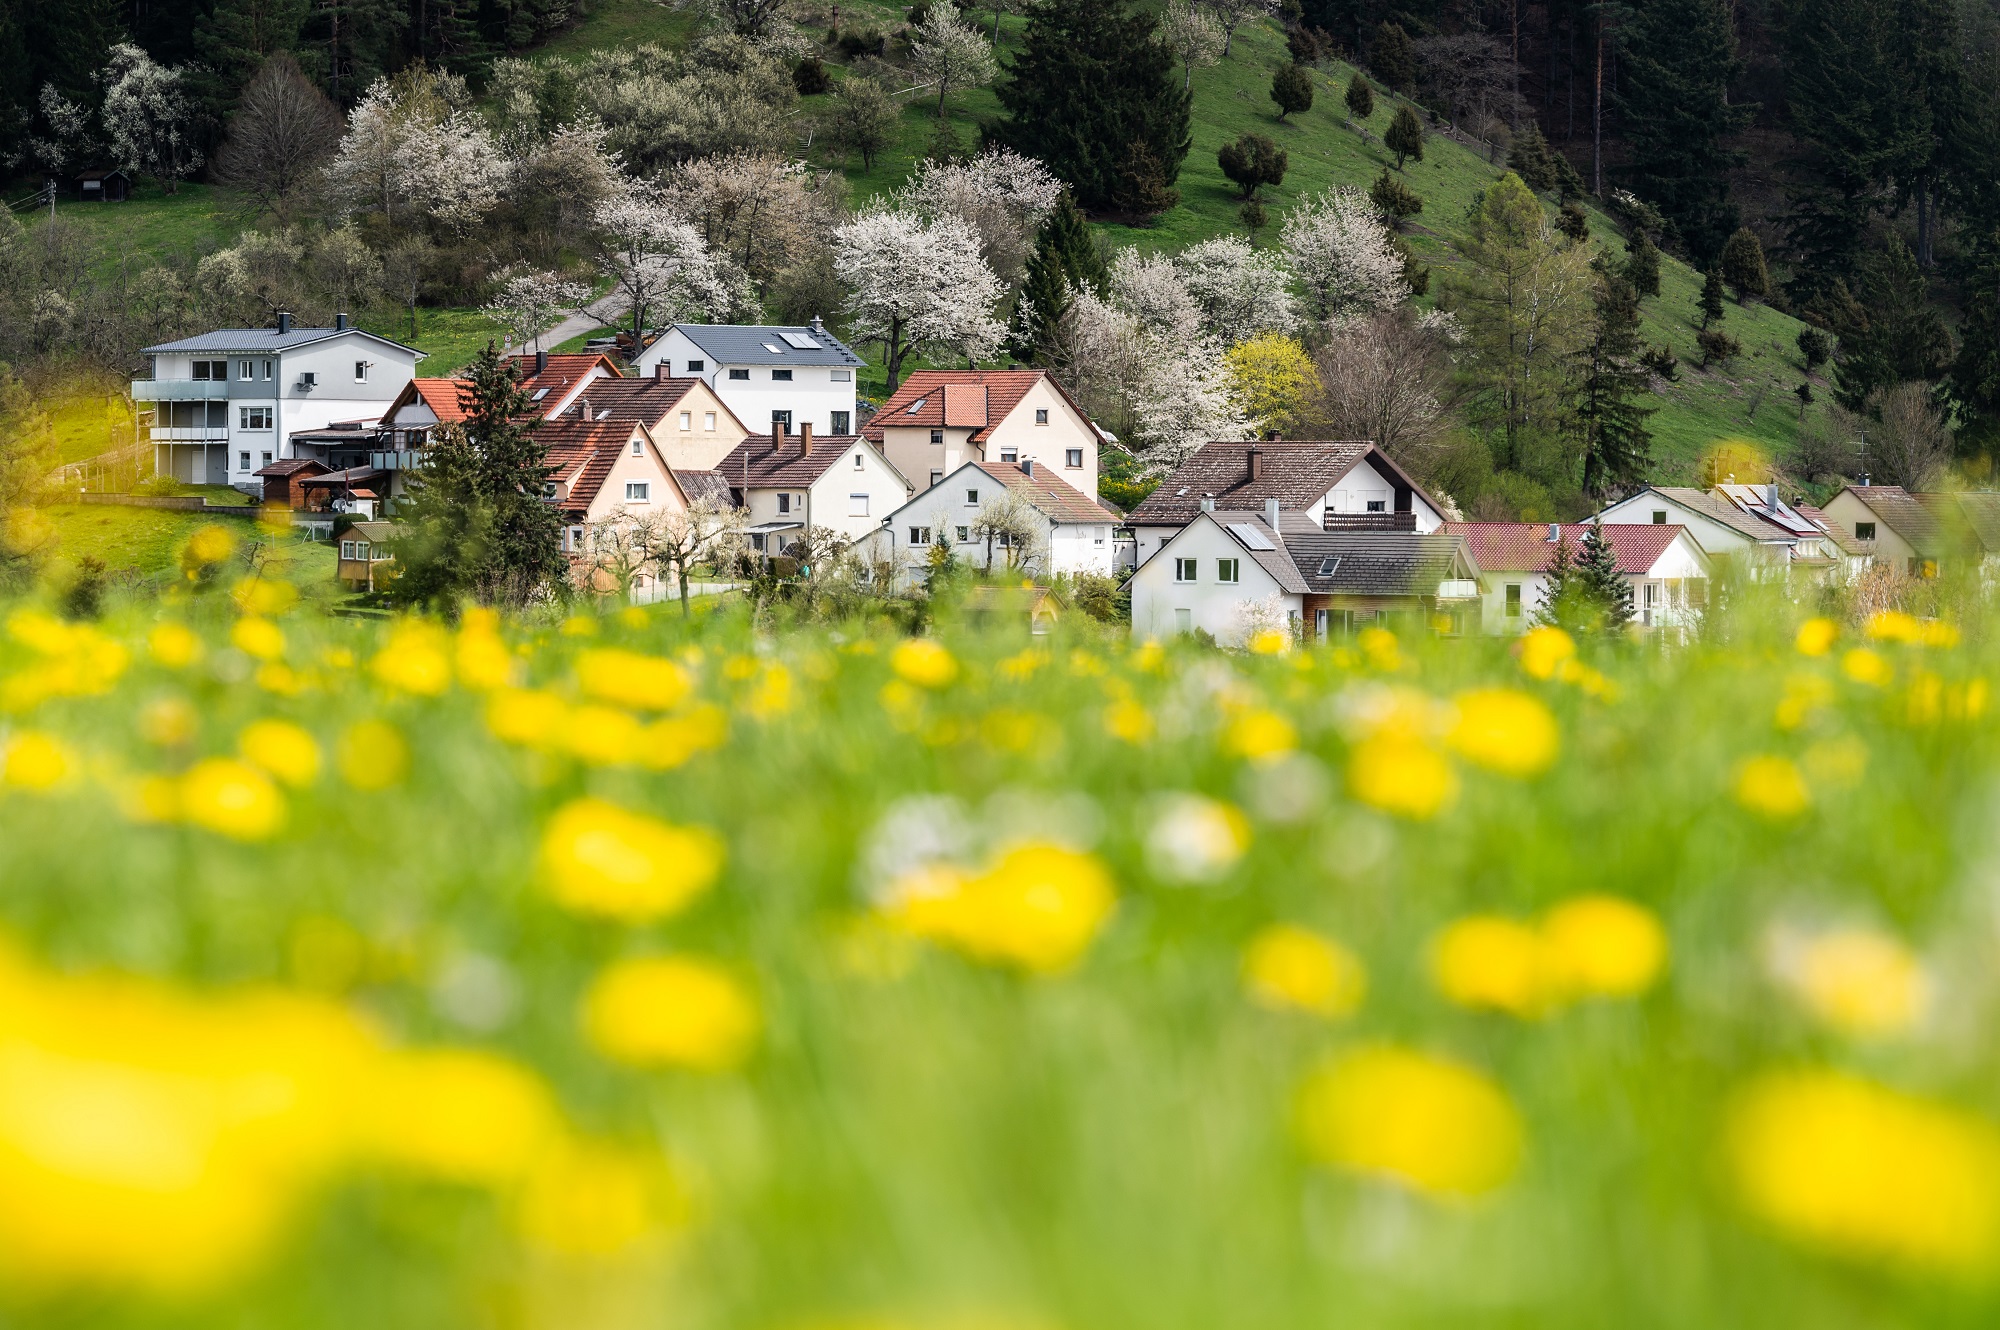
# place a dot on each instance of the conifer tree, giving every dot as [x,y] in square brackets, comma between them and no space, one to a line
[1743,265]
[1678,60]
[1068,236]
[1560,588]
[1711,298]
[1901,337]
[1360,97]
[1292,90]
[1610,415]
[1531,160]
[1405,137]
[1605,590]
[1394,58]
[1642,265]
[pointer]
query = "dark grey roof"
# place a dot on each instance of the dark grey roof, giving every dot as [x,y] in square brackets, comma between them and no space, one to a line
[264,341]
[749,343]
[1265,547]
[1295,472]
[1377,563]
[706,486]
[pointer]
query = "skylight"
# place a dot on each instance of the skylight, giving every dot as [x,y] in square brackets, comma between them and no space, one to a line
[1328,564]
[800,342]
[774,350]
[918,405]
[538,394]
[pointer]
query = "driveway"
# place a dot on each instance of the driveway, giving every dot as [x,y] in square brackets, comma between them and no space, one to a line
[599,313]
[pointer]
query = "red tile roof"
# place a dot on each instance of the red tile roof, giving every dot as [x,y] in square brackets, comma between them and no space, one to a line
[952,397]
[562,373]
[581,456]
[445,397]
[1525,547]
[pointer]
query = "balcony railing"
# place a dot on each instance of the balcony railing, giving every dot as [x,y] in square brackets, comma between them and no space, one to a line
[1369,522]
[195,434]
[179,390]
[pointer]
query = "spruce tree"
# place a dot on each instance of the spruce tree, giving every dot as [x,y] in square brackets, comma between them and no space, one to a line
[1743,265]
[239,36]
[1610,415]
[1405,137]
[1068,236]
[1360,97]
[1642,265]
[1901,337]
[1531,160]
[1569,185]
[1605,589]
[1711,298]
[1394,58]
[1292,90]
[1678,60]
[1087,87]
[1561,588]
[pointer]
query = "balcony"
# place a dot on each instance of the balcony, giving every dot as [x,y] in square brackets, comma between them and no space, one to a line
[196,434]
[402,459]
[179,390]
[1369,522]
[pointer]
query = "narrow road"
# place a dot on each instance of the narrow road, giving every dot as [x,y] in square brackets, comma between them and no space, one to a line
[597,314]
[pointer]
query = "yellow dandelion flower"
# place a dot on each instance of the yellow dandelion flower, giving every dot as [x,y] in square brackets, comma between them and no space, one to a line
[904,705]
[1603,946]
[670,1011]
[456,1114]
[261,596]
[1804,695]
[414,660]
[596,1201]
[1402,776]
[1021,667]
[209,545]
[1544,650]
[1380,649]
[372,755]
[174,645]
[1504,730]
[673,740]
[1861,1171]
[1892,626]
[597,858]
[1039,908]
[1270,642]
[1816,637]
[274,676]
[1086,665]
[579,625]
[1431,1124]
[923,662]
[1858,981]
[629,679]
[1867,667]
[1492,962]
[259,638]
[773,694]
[482,659]
[281,749]
[36,761]
[1259,735]
[1772,787]
[602,736]
[168,721]
[1290,966]
[233,798]
[1127,720]
[150,799]
[529,717]
[1150,657]
[1937,633]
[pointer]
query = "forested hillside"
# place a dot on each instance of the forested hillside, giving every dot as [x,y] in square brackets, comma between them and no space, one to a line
[1542,252]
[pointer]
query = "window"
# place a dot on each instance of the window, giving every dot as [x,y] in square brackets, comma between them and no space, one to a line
[920,535]
[740,375]
[1183,621]
[1226,570]
[972,497]
[1010,454]
[1659,517]
[965,535]
[576,537]
[211,371]
[1864,531]
[781,423]
[937,436]
[843,376]
[243,370]
[839,422]
[857,505]
[253,417]
[1513,600]
[1041,415]
[1073,457]
[346,549]
[638,491]
[708,421]
[687,420]
[784,503]
[1378,506]
[361,371]
[937,477]
[781,376]
[266,457]
[1184,570]
[857,461]
[308,379]
[243,461]
[267,371]
[638,447]
[697,366]
[361,549]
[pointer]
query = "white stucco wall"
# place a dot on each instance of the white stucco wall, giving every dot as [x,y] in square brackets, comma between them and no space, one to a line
[813,395]
[1215,606]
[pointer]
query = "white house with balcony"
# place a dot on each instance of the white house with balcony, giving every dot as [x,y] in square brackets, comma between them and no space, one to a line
[225,404]
[774,378]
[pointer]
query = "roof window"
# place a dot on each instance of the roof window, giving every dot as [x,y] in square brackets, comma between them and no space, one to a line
[918,405]
[1328,565]
[774,350]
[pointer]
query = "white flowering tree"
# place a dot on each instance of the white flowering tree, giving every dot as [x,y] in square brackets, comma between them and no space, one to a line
[1342,257]
[149,117]
[1193,34]
[451,170]
[1233,14]
[948,51]
[1149,287]
[529,303]
[1242,291]
[663,267]
[917,285]
[419,146]
[1003,196]
[1181,400]
[69,143]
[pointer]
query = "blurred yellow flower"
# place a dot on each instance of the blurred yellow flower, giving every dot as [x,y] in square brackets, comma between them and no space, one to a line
[1149,657]
[1816,637]
[210,544]
[1543,651]
[1039,907]
[1269,642]
[1429,1123]
[372,755]
[1804,694]
[579,625]
[168,721]
[274,676]
[1603,946]
[629,679]
[1259,735]
[1839,762]
[482,659]
[670,1011]
[1505,730]
[1893,626]
[36,761]
[1127,720]
[281,749]
[1021,666]
[923,662]
[597,858]
[1289,966]
[602,736]
[1772,787]
[232,798]
[1866,667]
[414,659]
[259,638]
[593,1200]
[1401,775]
[1865,1172]
[1490,961]
[1860,982]
[526,716]
[1938,633]
[262,596]
[773,694]
[1380,648]
[174,645]
[456,1114]
[669,742]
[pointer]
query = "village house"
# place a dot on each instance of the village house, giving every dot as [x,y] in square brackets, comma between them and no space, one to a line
[999,515]
[692,427]
[1232,573]
[1898,528]
[1344,487]
[229,403]
[365,562]
[789,484]
[778,379]
[604,472]
[939,420]
[1664,565]
[1759,531]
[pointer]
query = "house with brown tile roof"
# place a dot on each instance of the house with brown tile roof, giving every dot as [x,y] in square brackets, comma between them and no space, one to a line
[1056,529]
[691,425]
[791,482]
[1746,523]
[1664,565]
[553,382]
[1902,532]
[603,473]
[940,419]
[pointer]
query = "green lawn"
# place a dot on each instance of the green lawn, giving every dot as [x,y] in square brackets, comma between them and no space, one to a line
[448,337]
[182,226]
[147,541]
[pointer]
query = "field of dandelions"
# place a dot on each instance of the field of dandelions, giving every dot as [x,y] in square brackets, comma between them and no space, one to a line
[620,971]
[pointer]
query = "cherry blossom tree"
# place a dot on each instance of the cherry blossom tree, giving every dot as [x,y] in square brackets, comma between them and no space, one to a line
[1342,257]
[1182,399]
[948,51]
[1003,196]
[1193,34]
[1242,291]
[418,143]
[917,285]
[149,117]
[663,267]
[1233,14]
[530,303]
[451,169]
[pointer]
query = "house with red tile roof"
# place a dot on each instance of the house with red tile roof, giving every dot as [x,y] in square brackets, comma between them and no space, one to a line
[1666,567]
[689,422]
[1012,515]
[605,472]
[941,419]
[553,382]
[789,482]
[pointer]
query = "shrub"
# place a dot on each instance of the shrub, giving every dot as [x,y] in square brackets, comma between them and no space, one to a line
[1360,97]
[1292,90]
[857,42]
[809,77]
[1815,346]
[1253,161]
[1572,223]
[1254,216]
[1661,361]
[1405,137]
[1396,199]
[1717,345]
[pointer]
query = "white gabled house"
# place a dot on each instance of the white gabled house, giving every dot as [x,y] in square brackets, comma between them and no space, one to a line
[787,484]
[940,419]
[1664,565]
[774,378]
[1017,515]
[1751,525]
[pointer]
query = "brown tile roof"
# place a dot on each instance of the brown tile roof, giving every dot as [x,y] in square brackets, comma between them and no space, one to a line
[445,397]
[756,464]
[1525,547]
[1056,498]
[1297,473]
[1725,512]
[1972,518]
[1899,510]
[1835,532]
[581,455]
[645,400]
[706,486]
[291,466]
[980,398]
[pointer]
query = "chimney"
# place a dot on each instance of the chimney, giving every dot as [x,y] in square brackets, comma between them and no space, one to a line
[1771,495]
[1208,503]
[1027,466]
[805,437]
[817,326]
[1864,480]
[1256,461]
[1555,532]
[284,322]
[541,362]
[1271,513]
[660,371]
[340,322]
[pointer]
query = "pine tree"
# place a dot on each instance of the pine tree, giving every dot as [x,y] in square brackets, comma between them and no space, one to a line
[1405,137]
[1610,415]
[1088,86]
[239,36]
[1394,58]
[1711,298]
[1292,90]
[1679,58]
[1531,160]
[1902,339]
[1561,587]
[1642,265]
[1743,265]
[1605,590]
[1360,97]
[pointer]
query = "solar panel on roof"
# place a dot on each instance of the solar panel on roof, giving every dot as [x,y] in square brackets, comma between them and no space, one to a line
[800,342]
[1251,537]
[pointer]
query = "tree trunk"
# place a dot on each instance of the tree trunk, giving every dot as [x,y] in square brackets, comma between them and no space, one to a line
[1597,118]
[893,353]
[680,575]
